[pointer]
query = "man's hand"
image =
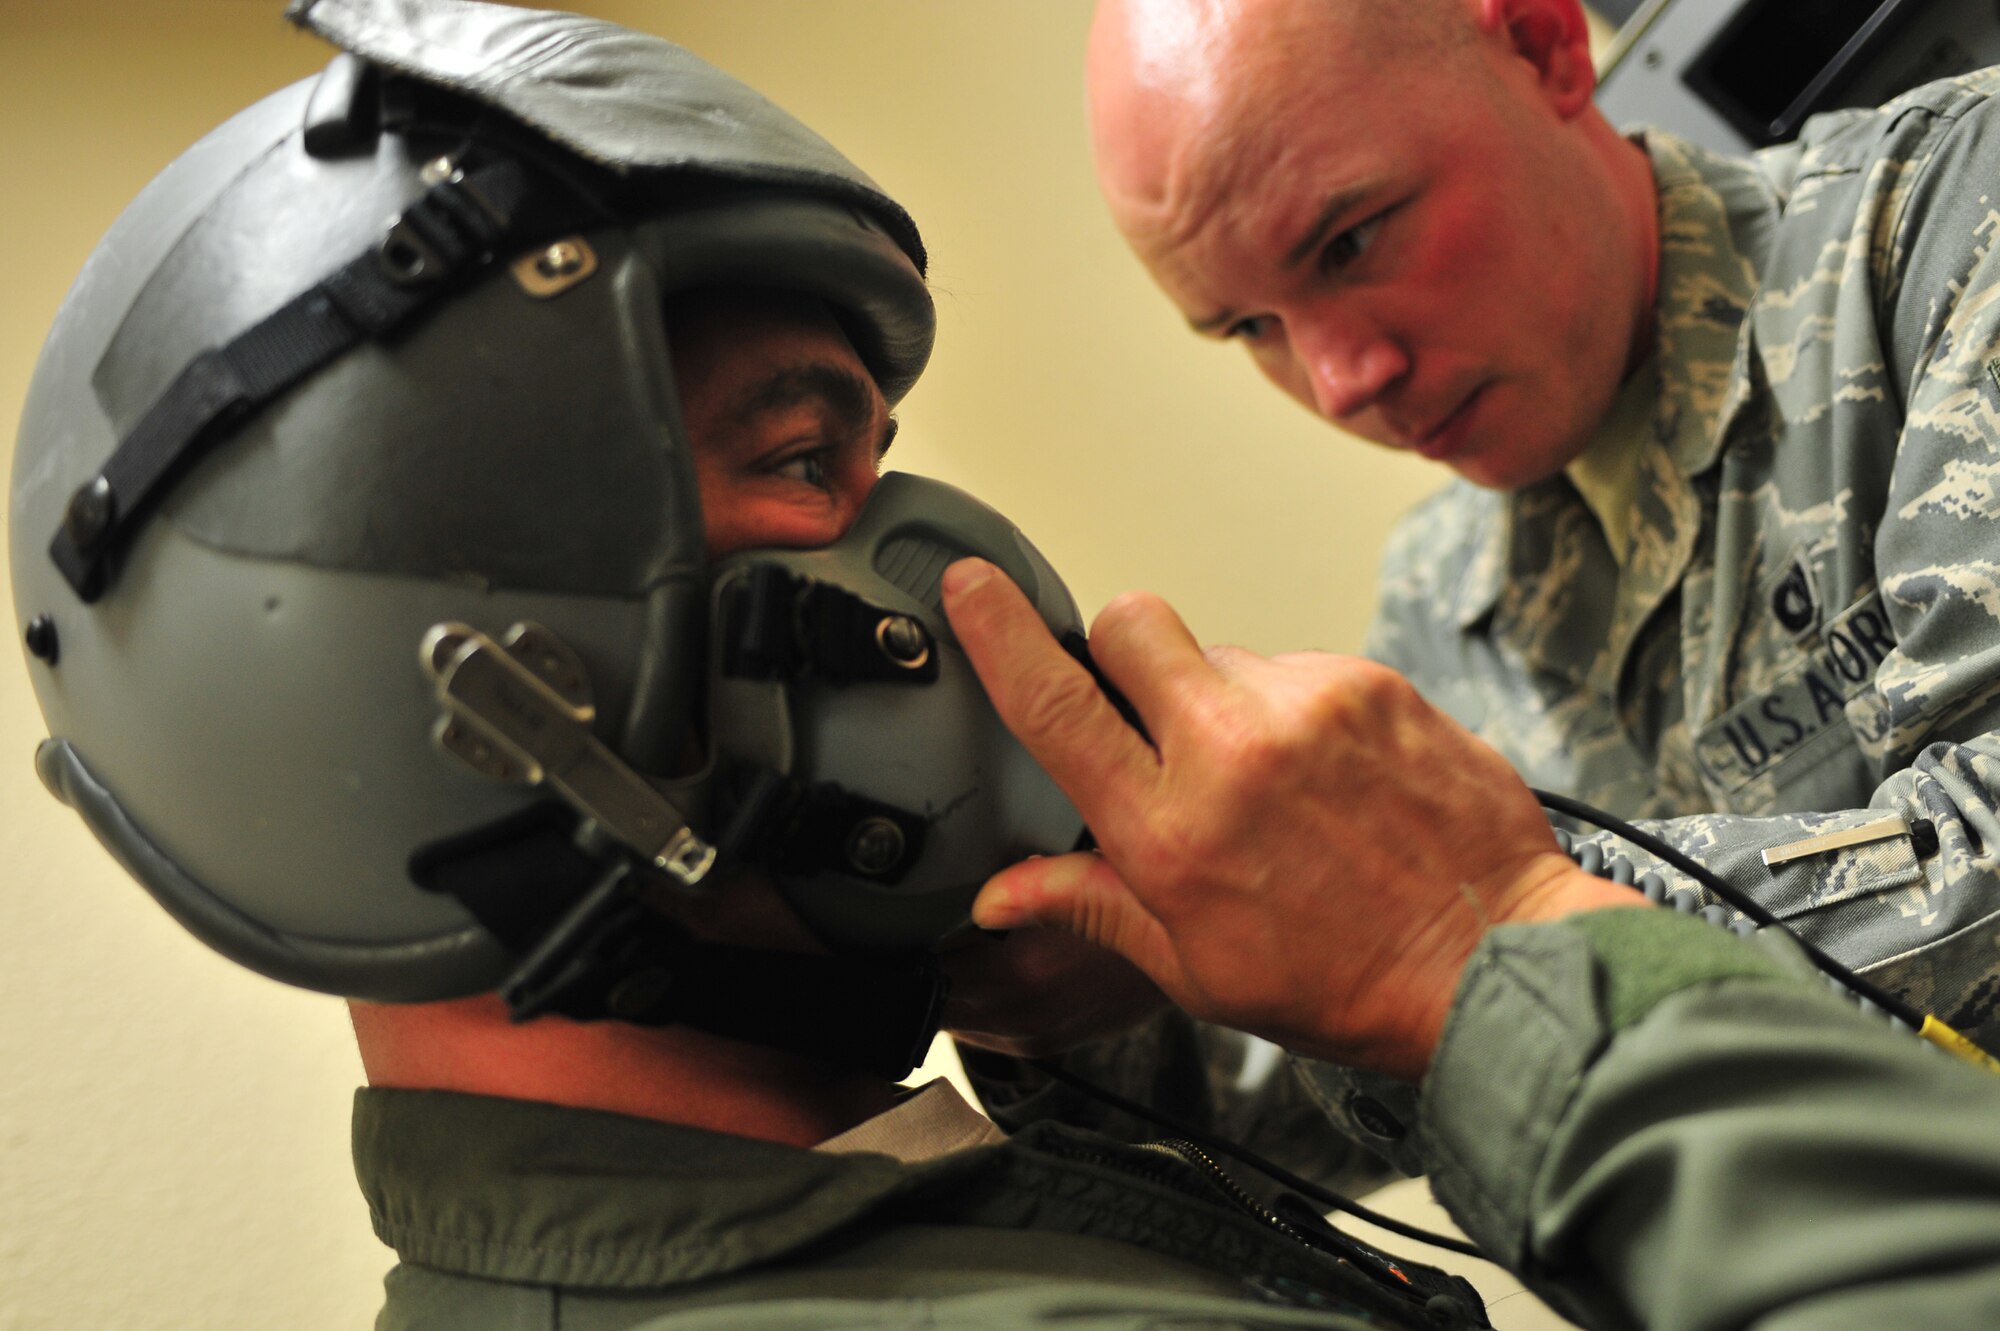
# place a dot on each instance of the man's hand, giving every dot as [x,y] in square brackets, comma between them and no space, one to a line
[1307,850]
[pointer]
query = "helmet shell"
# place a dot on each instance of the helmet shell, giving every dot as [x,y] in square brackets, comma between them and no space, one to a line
[242,718]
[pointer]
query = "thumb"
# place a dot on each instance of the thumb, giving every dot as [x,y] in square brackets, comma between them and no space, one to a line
[1083,895]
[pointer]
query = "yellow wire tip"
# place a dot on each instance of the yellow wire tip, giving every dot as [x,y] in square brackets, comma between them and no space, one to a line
[1944,1037]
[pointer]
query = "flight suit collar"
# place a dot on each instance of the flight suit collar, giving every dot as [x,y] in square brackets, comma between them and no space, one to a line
[520,1191]
[529,1193]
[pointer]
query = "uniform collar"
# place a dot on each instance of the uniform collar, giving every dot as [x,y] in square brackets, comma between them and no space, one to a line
[1717,216]
[531,1193]
[521,1191]
[931,1121]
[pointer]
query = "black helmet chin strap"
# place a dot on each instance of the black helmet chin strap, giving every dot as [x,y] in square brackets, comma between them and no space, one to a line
[592,949]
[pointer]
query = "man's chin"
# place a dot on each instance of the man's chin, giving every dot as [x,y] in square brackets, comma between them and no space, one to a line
[1497,470]
[1484,474]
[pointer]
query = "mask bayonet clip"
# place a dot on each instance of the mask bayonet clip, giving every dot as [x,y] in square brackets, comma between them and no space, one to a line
[520,711]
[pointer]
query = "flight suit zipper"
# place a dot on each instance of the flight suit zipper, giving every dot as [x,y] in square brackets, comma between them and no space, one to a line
[1323,1238]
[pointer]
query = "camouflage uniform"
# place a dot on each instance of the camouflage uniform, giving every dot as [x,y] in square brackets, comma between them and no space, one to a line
[1805,632]
[1805,635]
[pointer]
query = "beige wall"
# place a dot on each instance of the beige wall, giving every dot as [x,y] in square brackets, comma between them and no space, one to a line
[172,1131]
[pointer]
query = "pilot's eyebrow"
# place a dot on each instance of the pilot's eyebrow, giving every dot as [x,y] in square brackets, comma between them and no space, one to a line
[849,396]
[1337,207]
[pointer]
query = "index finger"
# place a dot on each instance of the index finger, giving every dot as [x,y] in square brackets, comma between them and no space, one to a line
[1046,698]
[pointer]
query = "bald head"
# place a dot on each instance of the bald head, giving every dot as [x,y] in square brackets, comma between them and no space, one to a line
[1165,76]
[1408,211]
[1173,45]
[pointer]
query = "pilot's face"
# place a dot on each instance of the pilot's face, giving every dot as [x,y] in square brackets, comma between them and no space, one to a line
[786,425]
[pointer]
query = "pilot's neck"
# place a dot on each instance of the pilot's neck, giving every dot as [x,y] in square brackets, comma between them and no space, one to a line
[672,1074]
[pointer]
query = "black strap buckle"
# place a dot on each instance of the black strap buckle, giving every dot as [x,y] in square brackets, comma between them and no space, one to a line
[572,956]
[453,226]
[779,625]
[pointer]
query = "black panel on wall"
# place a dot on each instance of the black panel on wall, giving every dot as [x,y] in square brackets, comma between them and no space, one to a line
[1740,74]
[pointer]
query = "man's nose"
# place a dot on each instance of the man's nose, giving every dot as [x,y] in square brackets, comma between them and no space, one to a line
[1348,364]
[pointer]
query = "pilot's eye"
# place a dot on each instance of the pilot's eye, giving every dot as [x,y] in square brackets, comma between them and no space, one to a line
[811,468]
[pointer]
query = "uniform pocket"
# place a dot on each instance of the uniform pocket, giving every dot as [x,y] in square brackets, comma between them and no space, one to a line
[1827,896]
[1803,741]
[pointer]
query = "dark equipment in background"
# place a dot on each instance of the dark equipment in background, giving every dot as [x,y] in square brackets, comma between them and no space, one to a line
[1735,75]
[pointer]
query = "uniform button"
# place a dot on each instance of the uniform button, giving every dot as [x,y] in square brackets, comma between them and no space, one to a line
[1375,1118]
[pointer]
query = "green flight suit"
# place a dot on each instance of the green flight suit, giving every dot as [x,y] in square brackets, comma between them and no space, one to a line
[1657,1123]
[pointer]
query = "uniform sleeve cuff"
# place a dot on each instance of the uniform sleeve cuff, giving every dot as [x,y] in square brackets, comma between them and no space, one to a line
[1535,1007]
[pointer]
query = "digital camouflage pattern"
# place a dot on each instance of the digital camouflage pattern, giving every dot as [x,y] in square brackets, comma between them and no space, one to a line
[1806,633]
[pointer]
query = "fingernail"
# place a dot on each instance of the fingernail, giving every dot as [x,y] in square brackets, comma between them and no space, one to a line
[967,575]
[993,908]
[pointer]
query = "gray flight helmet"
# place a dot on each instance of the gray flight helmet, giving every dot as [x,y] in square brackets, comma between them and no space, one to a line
[237,710]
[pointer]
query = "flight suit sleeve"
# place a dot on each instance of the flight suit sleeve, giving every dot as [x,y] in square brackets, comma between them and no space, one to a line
[1660,1125]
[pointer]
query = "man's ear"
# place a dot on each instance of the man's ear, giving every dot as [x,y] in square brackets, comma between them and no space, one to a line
[1552,36]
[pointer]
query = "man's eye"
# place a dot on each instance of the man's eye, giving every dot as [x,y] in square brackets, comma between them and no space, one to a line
[1349,245]
[807,467]
[1254,328]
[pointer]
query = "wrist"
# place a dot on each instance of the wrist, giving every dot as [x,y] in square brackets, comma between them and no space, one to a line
[1552,887]
[1549,887]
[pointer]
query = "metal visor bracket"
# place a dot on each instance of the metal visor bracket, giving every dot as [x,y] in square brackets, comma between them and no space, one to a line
[520,710]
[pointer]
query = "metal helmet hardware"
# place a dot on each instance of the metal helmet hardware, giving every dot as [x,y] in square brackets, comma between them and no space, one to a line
[354,473]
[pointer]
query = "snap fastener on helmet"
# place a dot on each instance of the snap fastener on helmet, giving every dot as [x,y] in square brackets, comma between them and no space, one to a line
[903,641]
[41,639]
[88,517]
[875,845]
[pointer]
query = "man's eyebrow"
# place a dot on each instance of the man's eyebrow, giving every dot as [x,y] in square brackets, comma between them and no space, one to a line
[1338,205]
[1210,323]
[849,396]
